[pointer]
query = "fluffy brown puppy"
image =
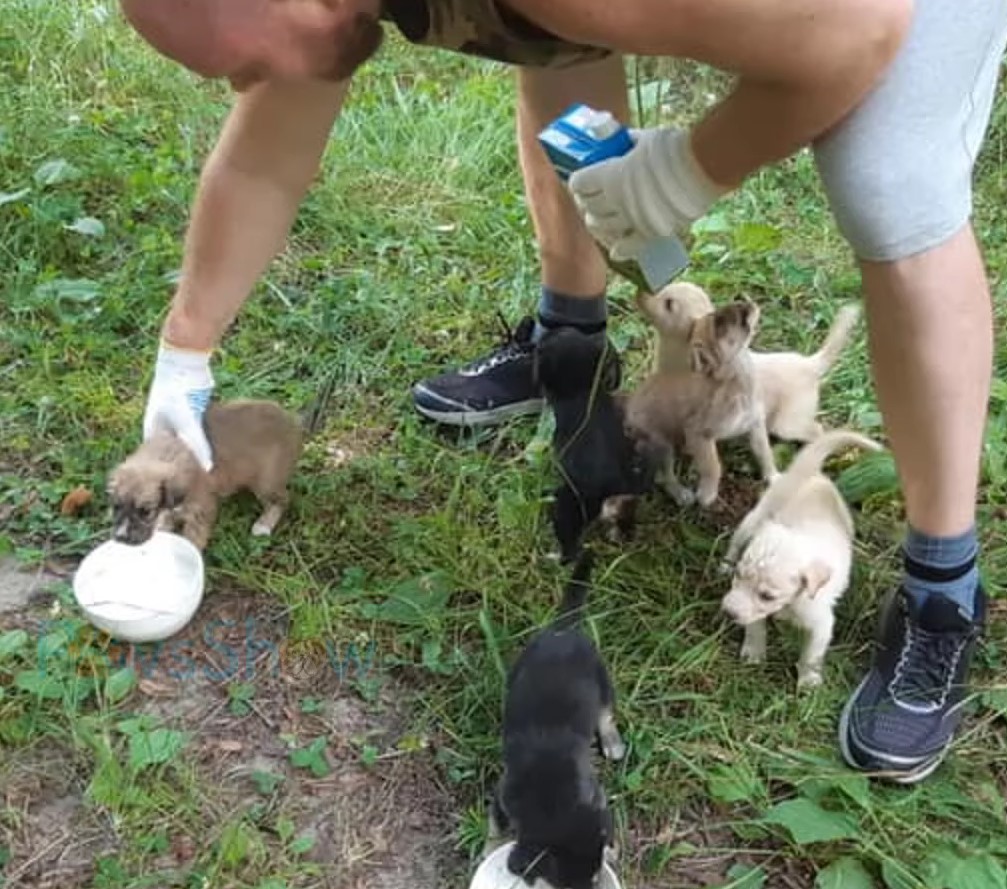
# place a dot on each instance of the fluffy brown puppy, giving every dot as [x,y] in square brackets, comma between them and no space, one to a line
[714,400]
[161,486]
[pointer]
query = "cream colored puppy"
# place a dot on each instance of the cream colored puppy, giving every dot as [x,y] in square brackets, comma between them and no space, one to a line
[711,401]
[796,549]
[787,383]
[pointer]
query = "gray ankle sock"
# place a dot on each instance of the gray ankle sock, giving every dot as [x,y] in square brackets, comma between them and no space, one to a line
[560,310]
[942,566]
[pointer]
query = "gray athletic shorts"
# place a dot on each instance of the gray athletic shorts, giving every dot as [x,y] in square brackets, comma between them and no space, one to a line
[898,170]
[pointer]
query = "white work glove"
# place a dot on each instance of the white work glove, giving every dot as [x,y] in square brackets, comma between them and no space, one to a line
[654,190]
[178,398]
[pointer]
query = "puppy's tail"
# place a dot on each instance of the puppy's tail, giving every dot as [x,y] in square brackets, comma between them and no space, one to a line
[837,338]
[809,461]
[575,594]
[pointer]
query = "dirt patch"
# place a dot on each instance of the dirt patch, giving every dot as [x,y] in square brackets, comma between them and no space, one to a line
[20,589]
[52,835]
[368,811]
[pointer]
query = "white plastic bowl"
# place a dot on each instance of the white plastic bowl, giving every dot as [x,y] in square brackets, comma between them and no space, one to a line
[142,593]
[492,873]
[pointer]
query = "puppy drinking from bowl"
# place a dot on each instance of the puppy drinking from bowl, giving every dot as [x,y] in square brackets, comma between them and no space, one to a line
[712,400]
[559,698]
[787,383]
[603,472]
[161,486]
[796,549]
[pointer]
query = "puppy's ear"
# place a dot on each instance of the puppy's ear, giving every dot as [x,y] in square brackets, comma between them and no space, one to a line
[703,359]
[814,577]
[172,494]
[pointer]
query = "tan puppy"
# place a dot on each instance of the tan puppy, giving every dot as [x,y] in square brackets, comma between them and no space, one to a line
[798,548]
[712,401]
[160,486]
[788,383]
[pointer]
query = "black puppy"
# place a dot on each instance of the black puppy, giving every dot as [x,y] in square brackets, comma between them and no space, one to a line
[559,697]
[603,469]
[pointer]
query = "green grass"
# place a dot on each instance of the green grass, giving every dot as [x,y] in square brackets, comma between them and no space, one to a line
[411,241]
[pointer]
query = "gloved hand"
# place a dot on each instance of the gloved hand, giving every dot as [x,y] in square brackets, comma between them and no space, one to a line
[654,190]
[178,398]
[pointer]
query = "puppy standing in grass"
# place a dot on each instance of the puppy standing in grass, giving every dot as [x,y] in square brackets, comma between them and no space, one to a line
[603,471]
[798,549]
[161,486]
[713,400]
[788,383]
[559,698]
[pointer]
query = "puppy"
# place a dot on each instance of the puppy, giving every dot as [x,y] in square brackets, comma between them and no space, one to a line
[787,383]
[161,486]
[714,400]
[559,697]
[798,548]
[603,472]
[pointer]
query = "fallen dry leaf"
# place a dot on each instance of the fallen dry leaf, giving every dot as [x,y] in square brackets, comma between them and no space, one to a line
[75,501]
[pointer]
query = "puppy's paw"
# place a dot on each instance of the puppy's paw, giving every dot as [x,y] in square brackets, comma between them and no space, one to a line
[725,567]
[753,652]
[614,749]
[706,499]
[262,529]
[809,677]
[682,495]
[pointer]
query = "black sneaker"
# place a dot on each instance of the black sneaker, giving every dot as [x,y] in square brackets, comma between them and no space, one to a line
[903,717]
[490,389]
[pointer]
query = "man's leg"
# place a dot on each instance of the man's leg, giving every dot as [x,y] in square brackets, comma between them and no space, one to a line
[500,385]
[899,174]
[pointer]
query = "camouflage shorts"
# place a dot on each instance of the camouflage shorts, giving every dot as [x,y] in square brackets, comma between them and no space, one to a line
[482,28]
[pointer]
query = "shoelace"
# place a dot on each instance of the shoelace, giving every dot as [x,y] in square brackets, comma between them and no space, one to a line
[508,349]
[925,671]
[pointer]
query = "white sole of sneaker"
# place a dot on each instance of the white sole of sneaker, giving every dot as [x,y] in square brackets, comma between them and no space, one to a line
[915,771]
[482,418]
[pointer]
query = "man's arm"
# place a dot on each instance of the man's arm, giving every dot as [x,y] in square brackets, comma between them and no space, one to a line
[249,192]
[248,195]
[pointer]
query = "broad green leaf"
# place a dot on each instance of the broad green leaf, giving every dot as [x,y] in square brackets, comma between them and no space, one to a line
[40,683]
[153,748]
[75,289]
[756,237]
[120,684]
[302,845]
[312,758]
[87,225]
[744,876]
[853,786]
[266,782]
[417,601]
[734,783]
[871,475]
[55,171]
[12,642]
[807,822]
[10,197]
[946,869]
[844,873]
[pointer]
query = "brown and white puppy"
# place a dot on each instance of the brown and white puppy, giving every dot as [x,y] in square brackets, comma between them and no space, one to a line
[715,399]
[796,549]
[161,486]
[788,383]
